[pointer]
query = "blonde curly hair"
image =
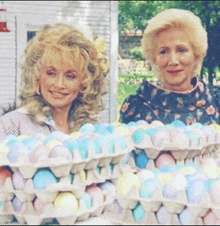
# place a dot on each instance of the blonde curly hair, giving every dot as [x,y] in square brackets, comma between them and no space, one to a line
[71,44]
[179,19]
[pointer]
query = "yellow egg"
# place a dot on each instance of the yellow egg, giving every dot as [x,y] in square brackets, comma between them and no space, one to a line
[66,201]
[53,143]
[142,127]
[4,149]
[21,137]
[188,170]
[122,131]
[218,170]
[165,178]
[126,182]
[211,171]
[215,127]
[75,135]
[116,123]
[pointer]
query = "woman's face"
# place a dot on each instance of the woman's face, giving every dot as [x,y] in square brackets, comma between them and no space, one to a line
[175,59]
[59,85]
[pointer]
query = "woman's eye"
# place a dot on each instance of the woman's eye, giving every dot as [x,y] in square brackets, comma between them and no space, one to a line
[51,73]
[163,51]
[71,76]
[181,50]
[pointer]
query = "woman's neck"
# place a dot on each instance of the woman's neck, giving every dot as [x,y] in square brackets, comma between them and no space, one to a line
[61,120]
[175,88]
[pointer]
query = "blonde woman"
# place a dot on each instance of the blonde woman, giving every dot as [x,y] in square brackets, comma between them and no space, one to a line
[175,44]
[63,80]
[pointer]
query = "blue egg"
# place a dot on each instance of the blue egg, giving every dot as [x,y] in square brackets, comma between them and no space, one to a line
[48,139]
[138,213]
[185,217]
[86,198]
[15,151]
[71,144]
[195,191]
[110,128]
[101,129]
[9,137]
[138,136]
[42,178]
[150,132]
[148,187]
[83,148]
[195,176]
[168,192]
[132,123]
[28,140]
[87,128]
[10,143]
[178,123]
[57,134]
[168,169]
[118,139]
[178,167]
[17,204]
[141,159]
[192,136]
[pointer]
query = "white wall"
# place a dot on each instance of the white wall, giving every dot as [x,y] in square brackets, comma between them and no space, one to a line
[100,17]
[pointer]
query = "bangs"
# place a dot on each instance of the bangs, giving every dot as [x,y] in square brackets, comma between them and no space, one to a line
[64,56]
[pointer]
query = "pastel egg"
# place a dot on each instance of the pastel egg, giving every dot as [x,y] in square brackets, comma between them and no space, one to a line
[162,215]
[4,173]
[4,149]
[156,123]
[165,178]
[209,161]
[132,123]
[138,213]
[21,137]
[18,181]
[83,148]
[116,123]
[42,178]
[142,122]
[188,170]
[195,191]
[87,200]
[17,204]
[126,182]
[101,129]
[87,128]
[210,218]
[115,207]
[141,159]
[37,151]
[145,174]
[164,159]
[60,151]
[178,123]
[211,171]
[38,205]
[215,192]
[186,217]
[96,194]
[15,151]
[160,137]
[148,187]
[39,136]
[75,135]
[193,137]
[122,131]
[66,201]
[138,136]
[49,139]
[119,141]
[71,144]
[110,128]
[195,176]
[11,143]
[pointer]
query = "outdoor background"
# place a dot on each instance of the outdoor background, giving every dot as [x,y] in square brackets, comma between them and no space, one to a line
[132,20]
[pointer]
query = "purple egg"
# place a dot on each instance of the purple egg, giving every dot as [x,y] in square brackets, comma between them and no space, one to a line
[18,181]
[60,151]
[16,150]
[17,204]
[162,215]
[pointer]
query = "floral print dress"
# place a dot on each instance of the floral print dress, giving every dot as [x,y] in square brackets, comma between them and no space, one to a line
[201,104]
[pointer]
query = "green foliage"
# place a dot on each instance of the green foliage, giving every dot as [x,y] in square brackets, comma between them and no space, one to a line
[136,53]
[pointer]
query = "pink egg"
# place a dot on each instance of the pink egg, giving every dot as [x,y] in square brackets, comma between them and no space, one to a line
[38,205]
[210,218]
[164,159]
[96,194]
[215,192]
[39,150]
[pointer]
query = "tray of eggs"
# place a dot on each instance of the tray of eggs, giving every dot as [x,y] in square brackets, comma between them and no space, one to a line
[179,194]
[179,142]
[91,146]
[40,201]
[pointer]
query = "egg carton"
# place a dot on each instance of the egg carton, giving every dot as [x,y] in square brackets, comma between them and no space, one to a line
[28,215]
[7,192]
[176,205]
[180,151]
[61,167]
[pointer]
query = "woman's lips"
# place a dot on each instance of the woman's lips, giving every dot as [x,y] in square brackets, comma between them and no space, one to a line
[174,72]
[58,94]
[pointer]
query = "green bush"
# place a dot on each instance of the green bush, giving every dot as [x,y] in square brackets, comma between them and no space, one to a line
[136,53]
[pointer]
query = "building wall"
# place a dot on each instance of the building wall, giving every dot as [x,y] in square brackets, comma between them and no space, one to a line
[99,17]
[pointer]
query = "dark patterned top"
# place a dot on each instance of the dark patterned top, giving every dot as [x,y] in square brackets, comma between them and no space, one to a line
[201,104]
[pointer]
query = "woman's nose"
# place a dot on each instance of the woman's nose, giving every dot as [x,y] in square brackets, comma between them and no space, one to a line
[173,59]
[59,81]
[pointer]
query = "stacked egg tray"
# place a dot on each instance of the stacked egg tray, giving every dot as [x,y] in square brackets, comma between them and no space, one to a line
[157,208]
[183,143]
[26,214]
[87,168]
